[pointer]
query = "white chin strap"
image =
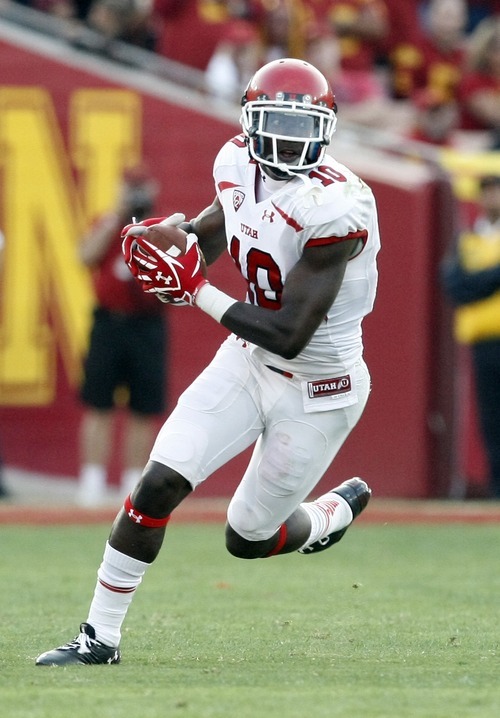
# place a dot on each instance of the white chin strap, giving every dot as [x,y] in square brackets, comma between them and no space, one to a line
[286,169]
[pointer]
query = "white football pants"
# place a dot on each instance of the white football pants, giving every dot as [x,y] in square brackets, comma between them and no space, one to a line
[237,401]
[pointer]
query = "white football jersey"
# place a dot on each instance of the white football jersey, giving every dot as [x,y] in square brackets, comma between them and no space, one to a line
[268,225]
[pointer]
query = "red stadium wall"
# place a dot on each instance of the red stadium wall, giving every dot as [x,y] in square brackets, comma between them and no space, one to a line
[402,443]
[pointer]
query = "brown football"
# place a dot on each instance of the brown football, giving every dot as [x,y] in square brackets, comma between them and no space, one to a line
[172,240]
[168,238]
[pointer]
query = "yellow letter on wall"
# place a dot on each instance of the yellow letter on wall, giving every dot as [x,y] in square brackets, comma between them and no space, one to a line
[46,294]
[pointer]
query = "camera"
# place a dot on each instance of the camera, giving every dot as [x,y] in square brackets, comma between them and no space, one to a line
[140,201]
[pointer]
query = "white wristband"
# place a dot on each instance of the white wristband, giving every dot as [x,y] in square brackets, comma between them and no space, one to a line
[214,302]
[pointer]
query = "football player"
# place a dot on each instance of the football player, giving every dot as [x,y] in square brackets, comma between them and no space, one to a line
[290,379]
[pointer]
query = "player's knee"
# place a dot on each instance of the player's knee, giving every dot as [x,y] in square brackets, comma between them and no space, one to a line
[160,488]
[247,520]
[241,547]
[247,532]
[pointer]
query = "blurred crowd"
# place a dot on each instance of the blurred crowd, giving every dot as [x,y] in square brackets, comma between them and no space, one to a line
[428,69]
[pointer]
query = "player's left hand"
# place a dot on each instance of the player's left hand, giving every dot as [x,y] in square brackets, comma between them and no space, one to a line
[175,280]
[136,229]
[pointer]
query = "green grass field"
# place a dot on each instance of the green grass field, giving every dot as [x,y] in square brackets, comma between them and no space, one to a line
[396,621]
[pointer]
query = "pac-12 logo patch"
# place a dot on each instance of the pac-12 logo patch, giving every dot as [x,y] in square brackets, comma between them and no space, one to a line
[238,197]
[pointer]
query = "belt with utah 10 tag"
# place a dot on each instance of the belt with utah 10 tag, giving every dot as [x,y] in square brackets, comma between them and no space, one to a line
[327,394]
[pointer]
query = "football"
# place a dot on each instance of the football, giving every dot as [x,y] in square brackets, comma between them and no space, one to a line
[171,240]
[168,238]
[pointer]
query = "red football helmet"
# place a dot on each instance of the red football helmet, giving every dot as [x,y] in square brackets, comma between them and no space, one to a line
[288,116]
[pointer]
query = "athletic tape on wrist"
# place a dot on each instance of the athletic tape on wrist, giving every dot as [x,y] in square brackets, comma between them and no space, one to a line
[138,518]
[214,302]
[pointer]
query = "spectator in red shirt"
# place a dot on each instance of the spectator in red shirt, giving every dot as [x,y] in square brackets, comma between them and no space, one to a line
[125,363]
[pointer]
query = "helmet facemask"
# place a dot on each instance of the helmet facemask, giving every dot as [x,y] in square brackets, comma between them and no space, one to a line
[288,137]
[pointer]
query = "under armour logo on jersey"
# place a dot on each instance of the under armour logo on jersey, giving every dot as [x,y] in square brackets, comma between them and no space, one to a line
[268,215]
[135,517]
[238,197]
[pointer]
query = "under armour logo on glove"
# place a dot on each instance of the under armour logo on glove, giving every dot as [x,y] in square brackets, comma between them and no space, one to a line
[160,277]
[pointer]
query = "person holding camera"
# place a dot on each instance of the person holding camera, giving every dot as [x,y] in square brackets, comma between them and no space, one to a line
[118,372]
